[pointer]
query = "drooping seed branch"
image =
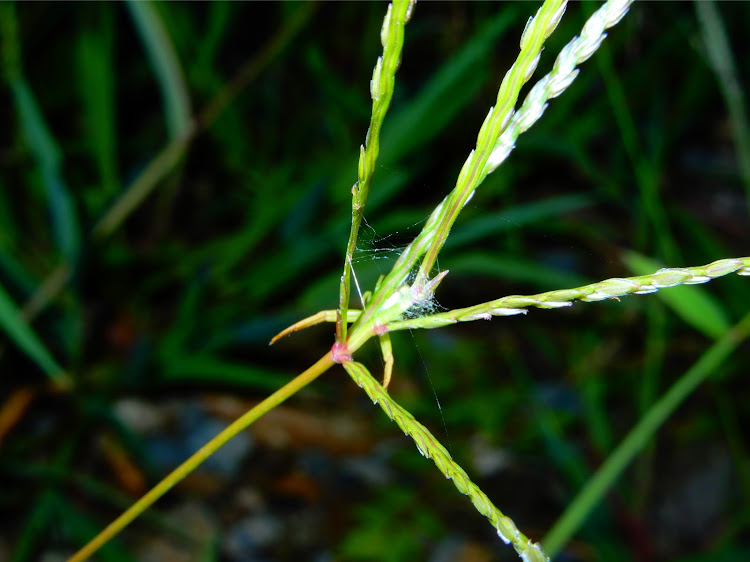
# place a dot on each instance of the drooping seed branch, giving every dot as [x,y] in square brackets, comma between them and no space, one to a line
[431,448]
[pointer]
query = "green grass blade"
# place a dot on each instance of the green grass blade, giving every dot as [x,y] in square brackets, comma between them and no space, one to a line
[96,67]
[219,20]
[48,159]
[209,369]
[576,512]
[515,217]
[40,141]
[645,167]
[13,324]
[166,66]
[42,512]
[36,524]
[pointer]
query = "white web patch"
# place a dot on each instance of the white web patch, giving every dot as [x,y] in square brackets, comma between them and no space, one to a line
[372,248]
[407,301]
[421,307]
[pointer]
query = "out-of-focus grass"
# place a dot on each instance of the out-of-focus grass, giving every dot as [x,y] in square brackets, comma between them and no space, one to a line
[241,230]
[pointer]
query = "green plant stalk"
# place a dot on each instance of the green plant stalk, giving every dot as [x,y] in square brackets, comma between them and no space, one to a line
[607,289]
[640,435]
[144,184]
[240,424]
[393,297]
[537,30]
[431,448]
[166,66]
[648,391]
[381,91]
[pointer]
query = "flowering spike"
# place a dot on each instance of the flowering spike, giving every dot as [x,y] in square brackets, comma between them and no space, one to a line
[386,26]
[525,34]
[410,10]
[375,82]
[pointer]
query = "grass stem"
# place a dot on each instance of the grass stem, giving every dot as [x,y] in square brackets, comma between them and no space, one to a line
[240,424]
[591,494]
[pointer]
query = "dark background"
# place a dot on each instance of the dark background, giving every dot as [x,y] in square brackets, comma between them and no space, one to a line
[161,322]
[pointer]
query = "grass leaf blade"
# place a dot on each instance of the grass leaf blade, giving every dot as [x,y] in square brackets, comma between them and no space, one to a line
[13,324]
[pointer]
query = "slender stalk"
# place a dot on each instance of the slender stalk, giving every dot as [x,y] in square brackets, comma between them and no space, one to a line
[240,424]
[537,30]
[640,435]
[381,91]
[142,187]
[607,289]
[513,124]
[431,448]
[166,66]
[436,229]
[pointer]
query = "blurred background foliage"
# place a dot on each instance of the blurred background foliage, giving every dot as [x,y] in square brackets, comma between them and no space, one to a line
[175,189]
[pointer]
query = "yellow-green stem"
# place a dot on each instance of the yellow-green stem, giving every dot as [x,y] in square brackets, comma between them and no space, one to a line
[320,367]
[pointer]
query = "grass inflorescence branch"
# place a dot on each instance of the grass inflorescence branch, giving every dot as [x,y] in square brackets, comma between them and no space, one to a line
[496,138]
[381,92]
[607,289]
[431,448]
[435,232]
[557,81]
[536,32]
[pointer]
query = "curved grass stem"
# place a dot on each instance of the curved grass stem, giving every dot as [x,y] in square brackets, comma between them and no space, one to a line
[639,436]
[240,424]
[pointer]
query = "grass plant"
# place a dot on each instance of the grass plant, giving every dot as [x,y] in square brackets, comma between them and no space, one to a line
[402,294]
